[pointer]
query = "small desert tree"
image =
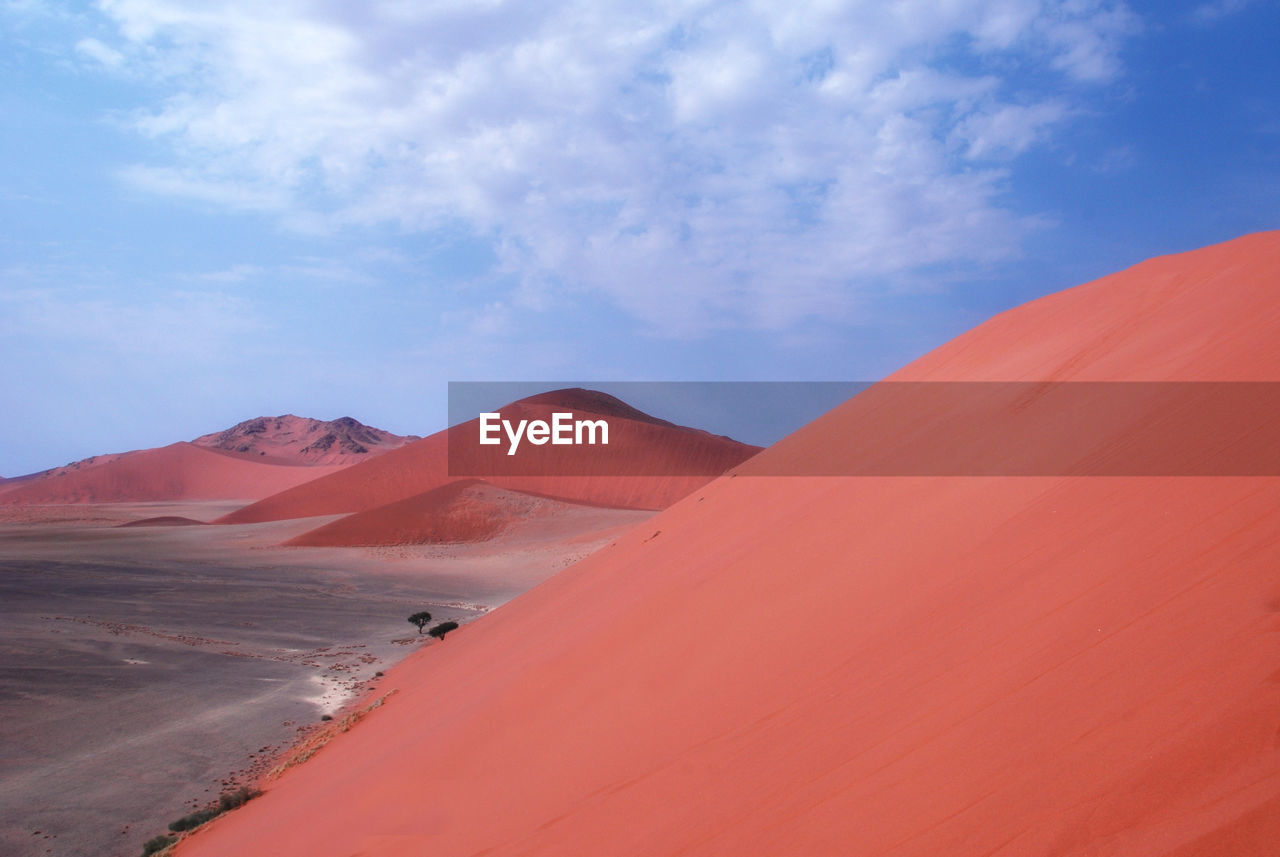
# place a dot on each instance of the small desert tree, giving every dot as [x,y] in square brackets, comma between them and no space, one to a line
[443,628]
[420,619]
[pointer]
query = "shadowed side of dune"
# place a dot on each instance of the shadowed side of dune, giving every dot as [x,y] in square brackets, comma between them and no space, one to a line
[466,510]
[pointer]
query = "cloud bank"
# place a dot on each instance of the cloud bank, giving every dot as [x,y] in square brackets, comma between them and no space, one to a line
[698,164]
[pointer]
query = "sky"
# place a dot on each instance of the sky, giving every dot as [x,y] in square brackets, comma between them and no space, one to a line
[210,212]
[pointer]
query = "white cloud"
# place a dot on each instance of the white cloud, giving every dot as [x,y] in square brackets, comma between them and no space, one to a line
[209,185]
[1207,13]
[701,164]
[1008,130]
[175,326]
[97,51]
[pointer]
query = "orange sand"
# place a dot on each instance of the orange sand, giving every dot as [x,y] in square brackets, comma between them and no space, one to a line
[466,510]
[919,666]
[180,471]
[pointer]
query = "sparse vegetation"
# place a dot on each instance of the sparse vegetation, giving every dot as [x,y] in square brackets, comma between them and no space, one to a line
[443,628]
[194,820]
[157,843]
[237,798]
[326,716]
[225,803]
[316,743]
[420,619]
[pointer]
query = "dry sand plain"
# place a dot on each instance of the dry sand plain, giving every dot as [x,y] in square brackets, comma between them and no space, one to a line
[142,669]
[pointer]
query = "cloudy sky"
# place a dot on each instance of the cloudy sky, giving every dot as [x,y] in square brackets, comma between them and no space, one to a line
[212,211]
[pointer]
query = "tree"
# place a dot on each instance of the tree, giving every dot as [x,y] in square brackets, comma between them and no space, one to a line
[420,619]
[443,628]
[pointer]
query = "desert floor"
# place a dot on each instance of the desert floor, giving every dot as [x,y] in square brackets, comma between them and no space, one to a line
[145,669]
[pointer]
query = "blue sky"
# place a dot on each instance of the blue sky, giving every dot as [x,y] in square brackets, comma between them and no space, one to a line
[210,211]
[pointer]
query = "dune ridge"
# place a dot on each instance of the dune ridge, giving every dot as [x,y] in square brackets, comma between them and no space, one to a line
[884,667]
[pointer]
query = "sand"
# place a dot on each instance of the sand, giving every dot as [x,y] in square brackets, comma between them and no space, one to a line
[248,461]
[932,665]
[180,471]
[462,511]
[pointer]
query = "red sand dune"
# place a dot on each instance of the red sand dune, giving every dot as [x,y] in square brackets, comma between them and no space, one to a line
[466,510]
[180,471]
[639,447]
[290,439]
[913,667]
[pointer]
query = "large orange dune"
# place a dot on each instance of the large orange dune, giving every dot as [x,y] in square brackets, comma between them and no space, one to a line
[650,463]
[931,665]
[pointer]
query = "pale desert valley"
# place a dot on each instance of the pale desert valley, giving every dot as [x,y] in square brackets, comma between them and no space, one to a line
[705,648]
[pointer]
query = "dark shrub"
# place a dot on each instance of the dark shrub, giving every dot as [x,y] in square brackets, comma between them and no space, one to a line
[158,843]
[420,619]
[226,802]
[237,798]
[443,628]
[194,820]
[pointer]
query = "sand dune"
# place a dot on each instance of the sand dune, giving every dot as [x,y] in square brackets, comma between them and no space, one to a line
[180,471]
[252,459]
[649,464]
[465,510]
[869,666]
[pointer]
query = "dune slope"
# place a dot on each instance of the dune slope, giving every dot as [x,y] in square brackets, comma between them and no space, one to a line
[180,471]
[465,510]
[652,463]
[869,666]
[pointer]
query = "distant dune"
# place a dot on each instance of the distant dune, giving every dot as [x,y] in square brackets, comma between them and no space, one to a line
[298,440]
[180,471]
[253,459]
[660,463]
[914,667]
[466,510]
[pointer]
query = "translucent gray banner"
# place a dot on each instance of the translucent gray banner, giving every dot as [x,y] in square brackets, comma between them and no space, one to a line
[865,429]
